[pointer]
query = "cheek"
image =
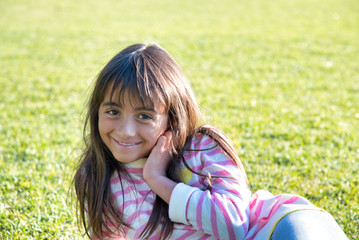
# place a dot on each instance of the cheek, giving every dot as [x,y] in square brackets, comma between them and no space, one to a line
[103,127]
[154,132]
[161,128]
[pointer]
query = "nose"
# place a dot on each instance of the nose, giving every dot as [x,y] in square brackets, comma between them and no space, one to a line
[126,128]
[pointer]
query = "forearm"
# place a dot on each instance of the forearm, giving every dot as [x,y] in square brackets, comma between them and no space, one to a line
[222,214]
[161,185]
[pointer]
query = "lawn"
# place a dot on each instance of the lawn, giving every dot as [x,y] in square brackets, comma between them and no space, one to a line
[280,78]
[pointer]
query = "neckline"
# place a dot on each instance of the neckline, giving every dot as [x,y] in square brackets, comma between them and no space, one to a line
[140,163]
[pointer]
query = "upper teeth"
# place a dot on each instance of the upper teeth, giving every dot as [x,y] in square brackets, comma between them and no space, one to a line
[127,144]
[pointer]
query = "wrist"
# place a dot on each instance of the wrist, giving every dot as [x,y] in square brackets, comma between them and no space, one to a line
[153,176]
[161,185]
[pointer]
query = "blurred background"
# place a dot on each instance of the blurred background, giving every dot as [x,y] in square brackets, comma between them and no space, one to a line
[280,78]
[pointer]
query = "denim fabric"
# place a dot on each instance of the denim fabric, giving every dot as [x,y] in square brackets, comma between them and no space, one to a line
[308,225]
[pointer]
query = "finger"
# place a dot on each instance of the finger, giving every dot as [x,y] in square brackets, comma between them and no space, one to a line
[165,138]
[162,140]
[168,134]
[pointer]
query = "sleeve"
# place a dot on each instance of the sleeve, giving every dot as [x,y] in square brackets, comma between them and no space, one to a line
[223,211]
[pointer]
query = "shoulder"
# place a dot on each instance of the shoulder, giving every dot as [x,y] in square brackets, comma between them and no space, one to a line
[200,141]
[200,146]
[203,151]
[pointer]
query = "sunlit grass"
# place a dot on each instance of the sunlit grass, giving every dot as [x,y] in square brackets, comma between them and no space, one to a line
[280,78]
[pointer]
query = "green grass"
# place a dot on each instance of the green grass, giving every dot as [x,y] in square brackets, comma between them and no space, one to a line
[281,78]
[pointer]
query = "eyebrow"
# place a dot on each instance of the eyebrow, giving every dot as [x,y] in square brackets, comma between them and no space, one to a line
[142,108]
[111,104]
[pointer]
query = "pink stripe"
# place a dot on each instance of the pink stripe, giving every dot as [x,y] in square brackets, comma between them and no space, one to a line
[257,213]
[187,234]
[215,151]
[114,180]
[227,218]
[190,154]
[214,222]
[137,214]
[197,168]
[138,181]
[139,231]
[186,227]
[130,202]
[127,190]
[238,211]
[262,222]
[236,192]
[117,194]
[253,201]
[134,170]
[220,185]
[144,192]
[109,224]
[156,237]
[204,237]
[136,201]
[199,212]
[203,144]
[245,228]
[242,215]
[226,162]
[221,173]
[198,183]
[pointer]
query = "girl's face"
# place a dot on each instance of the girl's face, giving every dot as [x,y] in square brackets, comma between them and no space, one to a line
[129,129]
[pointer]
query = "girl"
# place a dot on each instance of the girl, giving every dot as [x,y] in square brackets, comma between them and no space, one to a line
[150,172]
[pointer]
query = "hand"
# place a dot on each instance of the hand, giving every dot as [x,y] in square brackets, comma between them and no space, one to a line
[154,171]
[159,158]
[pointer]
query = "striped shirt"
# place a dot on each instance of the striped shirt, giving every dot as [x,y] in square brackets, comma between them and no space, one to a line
[227,210]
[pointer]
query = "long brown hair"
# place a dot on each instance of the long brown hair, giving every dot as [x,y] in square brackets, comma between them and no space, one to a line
[147,72]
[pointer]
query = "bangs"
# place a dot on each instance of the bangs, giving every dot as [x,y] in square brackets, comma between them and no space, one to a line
[137,96]
[136,77]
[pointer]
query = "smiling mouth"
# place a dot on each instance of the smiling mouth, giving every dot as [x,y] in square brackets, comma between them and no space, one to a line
[126,144]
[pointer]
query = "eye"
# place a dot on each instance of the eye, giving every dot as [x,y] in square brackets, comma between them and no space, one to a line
[145,116]
[113,112]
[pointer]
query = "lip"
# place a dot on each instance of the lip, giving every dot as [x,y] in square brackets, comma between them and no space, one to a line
[126,144]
